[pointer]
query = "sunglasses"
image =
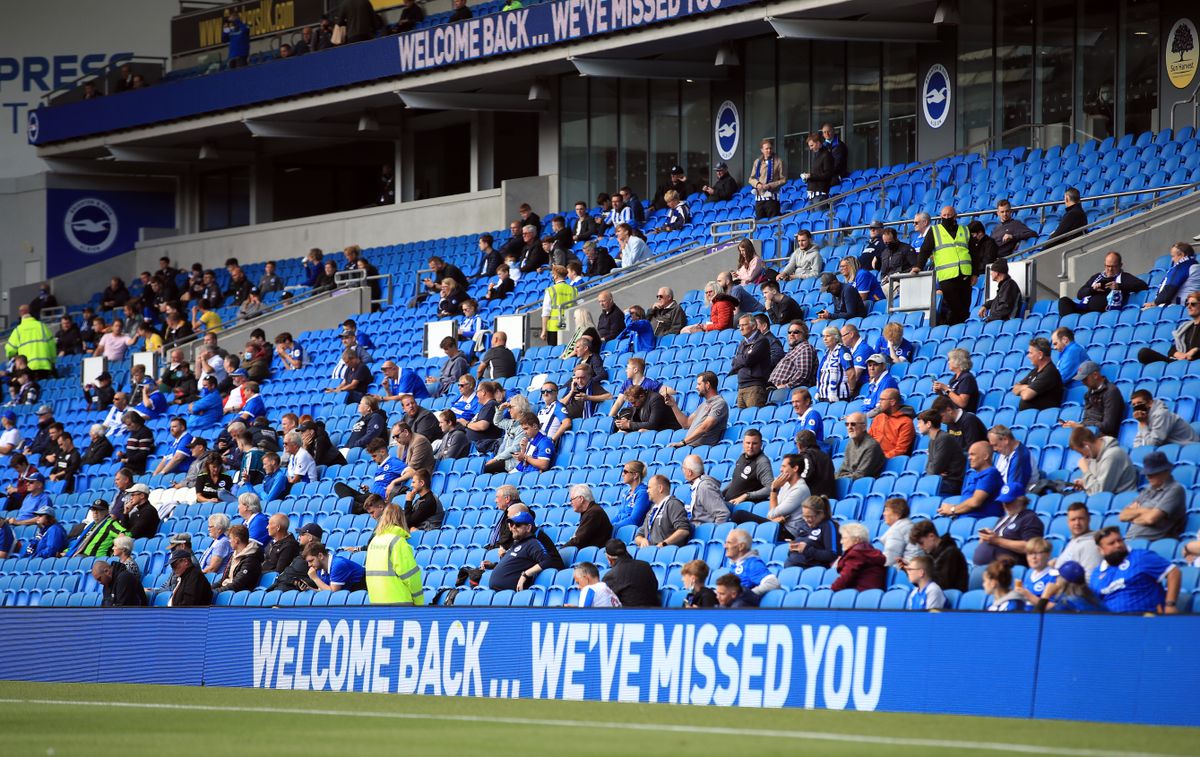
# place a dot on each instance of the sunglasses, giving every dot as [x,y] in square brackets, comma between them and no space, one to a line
[547,391]
[797,333]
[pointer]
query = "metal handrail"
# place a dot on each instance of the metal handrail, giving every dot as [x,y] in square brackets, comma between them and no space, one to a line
[1193,98]
[101,74]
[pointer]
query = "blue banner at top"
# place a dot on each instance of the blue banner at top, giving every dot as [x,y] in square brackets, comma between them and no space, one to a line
[542,25]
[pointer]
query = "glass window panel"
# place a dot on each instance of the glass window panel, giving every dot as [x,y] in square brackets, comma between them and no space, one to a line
[1097,56]
[573,142]
[974,107]
[634,136]
[664,131]
[863,89]
[795,107]
[603,135]
[1139,65]
[760,99]
[900,103]
[1014,61]
[1054,69]
[828,93]
[697,133]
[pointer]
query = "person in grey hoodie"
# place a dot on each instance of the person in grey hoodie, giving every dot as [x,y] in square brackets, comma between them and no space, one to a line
[707,505]
[1106,467]
[1157,425]
[805,261]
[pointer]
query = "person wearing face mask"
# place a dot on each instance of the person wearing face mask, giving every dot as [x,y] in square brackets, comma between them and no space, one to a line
[1132,580]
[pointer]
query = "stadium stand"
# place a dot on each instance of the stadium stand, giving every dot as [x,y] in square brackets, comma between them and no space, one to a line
[592,453]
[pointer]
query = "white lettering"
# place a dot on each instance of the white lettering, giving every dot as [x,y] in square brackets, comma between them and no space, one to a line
[339,663]
[813,649]
[705,668]
[574,660]
[725,695]
[836,684]
[631,662]
[865,700]
[665,662]
[779,666]
[361,647]
[320,673]
[471,666]
[383,656]
[547,660]
[287,654]
[410,657]
[752,666]
[451,681]
[266,651]
[431,669]
[608,656]
[302,681]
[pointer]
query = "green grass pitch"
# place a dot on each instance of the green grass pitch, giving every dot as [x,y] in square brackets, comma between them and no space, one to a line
[92,720]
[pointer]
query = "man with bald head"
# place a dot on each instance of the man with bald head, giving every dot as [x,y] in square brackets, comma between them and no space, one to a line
[121,588]
[981,487]
[666,316]
[863,457]
[498,362]
[398,382]
[610,321]
[893,425]
[947,244]
[283,548]
[706,504]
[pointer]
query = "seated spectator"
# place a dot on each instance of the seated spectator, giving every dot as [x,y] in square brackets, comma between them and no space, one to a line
[205,319]
[949,566]
[99,448]
[998,584]
[863,457]
[371,424]
[411,15]
[679,215]
[945,457]
[595,528]
[721,307]
[552,415]
[763,324]
[28,391]
[1185,338]
[847,303]
[667,521]
[1183,257]
[67,463]
[252,306]
[301,467]
[1008,539]
[965,427]
[214,558]
[179,454]
[383,482]
[455,367]
[816,544]
[68,340]
[455,444]
[1041,575]
[213,485]
[1131,580]
[983,249]
[1066,591]
[896,546]
[836,374]
[244,567]
[50,539]
[754,578]
[860,353]
[799,366]
[788,493]
[599,261]
[706,425]
[585,353]
[750,267]
[10,435]
[1103,405]
[1160,510]
[962,390]
[513,439]
[498,362]
[524,559]
[481,429]
[332,572]
[356,380]
[1006,303]
[861,566]
[807,416]
[1157,425]
[422,510]
[896,257]
[666,316]
[1014,460]
[815,466]
[283,547]
[805,261]
[635,376]
[706,504]
[730,593]
[878,381]
[752,476]
[1042,387]
[583,395]
[893,346]
[538,454]
[398,383]
[633,581]
[780,307]
[250,509]
[649,412]
[1108,290]
[636,502]
[1081,547]
[893,427]
[115,295]
[925,594]
[274,480]
[207,410]
[981,487]
[862,282]
[694,574]
[638,334]
[1105,466]
[139,443]
[192,587]
[442,271]
[121,587]
[592,591]
[140,517]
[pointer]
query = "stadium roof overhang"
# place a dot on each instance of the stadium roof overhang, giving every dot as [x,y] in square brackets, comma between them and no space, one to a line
[689,48]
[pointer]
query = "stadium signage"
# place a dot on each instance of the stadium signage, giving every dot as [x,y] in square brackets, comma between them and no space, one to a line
[540,25]
[202,31]
[85,227]
[935,96]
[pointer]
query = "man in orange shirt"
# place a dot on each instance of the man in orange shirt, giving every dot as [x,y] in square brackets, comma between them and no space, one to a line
[893,426]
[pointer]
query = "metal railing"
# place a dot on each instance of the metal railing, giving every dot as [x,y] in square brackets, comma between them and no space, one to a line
[1194,101]
[139,63]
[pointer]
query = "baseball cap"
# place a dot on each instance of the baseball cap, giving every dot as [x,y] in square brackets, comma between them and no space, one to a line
[104,376]
[1000,266]
[522,518]
[44,510]
[1086,368]
[138,489]
[877,358]
[1072,571]
[1009,493]
[45,410]
[722,166]
[198,441]
[307,426]
[179,554]
[254,290]
[1156,462]
[9,415]
[676,169]
[34,475]
[239,372]
[876,224]
[98,504]
[179,539]
[827,280]
[312,529]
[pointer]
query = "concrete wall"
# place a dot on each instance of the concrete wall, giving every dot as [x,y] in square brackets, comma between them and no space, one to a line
[23,250]
[410,221]
[541,192]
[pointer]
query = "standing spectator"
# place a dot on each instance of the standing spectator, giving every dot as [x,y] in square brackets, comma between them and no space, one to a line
[633,581]
[1160,510]
[1131,580]
[896,547]
[767,175]
[947,245]
[1009,232]
[1107,290]
[838,150]
[1105,466]
[557,300]
[925,594]
[1081,547]
[706,425]
[1185,339]
[863,456]
[667,523]
[1007,301]
[411,15]
[1042,387]
[32,340]
[1009,539]
[949,565]
[725,186]
[1157,425]
[236,34]
[861,566]
[751,365]
[822,172]
[1103,405]
[982,248]
[1074,220]
[817,542]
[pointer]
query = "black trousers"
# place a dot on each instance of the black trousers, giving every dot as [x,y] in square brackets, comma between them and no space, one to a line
[359,497]
[956,296]
[1146,356]
[766,208]
[745,516]
[1095,304]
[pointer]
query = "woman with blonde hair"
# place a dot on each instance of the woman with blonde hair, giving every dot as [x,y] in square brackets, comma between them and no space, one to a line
[585,325]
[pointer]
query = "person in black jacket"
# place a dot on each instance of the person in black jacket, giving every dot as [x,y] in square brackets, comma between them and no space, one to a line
[371,423]
[583,226]
[694,575]
[599,261]
[422,510]
[816,468]
[633,581]
[316,441]
[816,542]
[724,188]
[821,172]
[121,588]
[895,256]
[982,248]
[1073,224]
[839,151]
[949,566]
[1107,290]
[138,445]
[650,413]
[99,449]
[611,320]
[751,364]
[1005,304]
[283,548]
[140,517]
[192,588]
